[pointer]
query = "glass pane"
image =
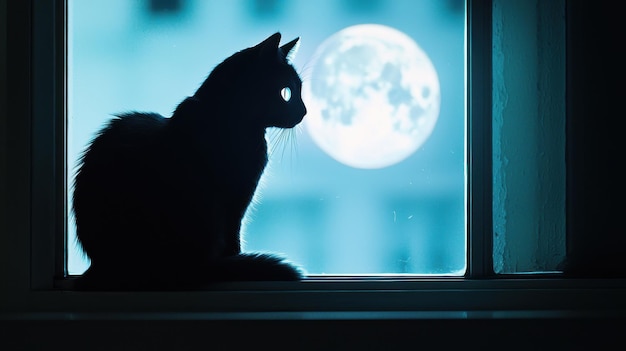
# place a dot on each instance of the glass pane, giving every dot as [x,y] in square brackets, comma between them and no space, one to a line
[371,182]
[528,135]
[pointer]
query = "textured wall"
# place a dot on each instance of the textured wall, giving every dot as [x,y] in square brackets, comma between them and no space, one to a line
[528,135]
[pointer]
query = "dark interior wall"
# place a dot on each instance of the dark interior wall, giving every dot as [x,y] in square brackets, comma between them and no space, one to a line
[3,102]
[595,148]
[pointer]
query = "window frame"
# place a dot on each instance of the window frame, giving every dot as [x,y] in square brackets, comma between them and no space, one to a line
[33,245]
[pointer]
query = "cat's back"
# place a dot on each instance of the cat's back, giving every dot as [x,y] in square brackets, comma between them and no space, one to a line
[127,132]
[126,153]
[116,198]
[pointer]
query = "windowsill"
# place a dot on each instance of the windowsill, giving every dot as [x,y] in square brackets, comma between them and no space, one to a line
[332,298]
[314,315]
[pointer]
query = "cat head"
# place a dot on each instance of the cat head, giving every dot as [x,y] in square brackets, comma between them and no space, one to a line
[260,84]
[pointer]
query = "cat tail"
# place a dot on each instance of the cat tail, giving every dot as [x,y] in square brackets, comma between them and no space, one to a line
[256,267]
[242,267]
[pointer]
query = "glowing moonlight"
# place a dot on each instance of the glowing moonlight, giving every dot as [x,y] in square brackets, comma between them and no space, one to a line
[372,96]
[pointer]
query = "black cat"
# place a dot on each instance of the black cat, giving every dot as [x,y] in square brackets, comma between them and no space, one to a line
[158,202]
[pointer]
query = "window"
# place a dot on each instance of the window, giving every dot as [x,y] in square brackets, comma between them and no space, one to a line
[395,204]
[404,212]
[407,215]
[33,244]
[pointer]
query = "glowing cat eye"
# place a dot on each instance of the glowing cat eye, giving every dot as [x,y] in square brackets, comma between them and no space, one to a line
[285,93]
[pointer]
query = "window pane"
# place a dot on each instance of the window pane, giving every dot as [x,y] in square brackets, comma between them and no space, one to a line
[372,181]
[528,135]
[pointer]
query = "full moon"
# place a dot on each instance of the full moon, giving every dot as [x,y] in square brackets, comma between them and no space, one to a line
[372,96]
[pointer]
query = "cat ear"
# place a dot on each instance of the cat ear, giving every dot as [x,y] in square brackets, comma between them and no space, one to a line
[269,46]
[290,49]
[271,41]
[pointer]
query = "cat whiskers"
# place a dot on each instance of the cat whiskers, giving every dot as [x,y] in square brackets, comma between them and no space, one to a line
[306,71]
[284,139]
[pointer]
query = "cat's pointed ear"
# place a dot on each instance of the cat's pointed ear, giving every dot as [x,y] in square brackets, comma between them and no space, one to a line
[290,49]
[271,41]
[269,46]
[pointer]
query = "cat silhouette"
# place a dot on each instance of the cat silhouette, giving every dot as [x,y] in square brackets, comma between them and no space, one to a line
[158,201]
